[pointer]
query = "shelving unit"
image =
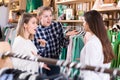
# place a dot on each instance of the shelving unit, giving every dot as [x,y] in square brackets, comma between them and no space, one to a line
[73,1]
[113,15]
[16,7]
[69,21]
[74,4]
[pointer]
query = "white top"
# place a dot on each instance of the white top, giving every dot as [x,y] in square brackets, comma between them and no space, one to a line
[92,54]
[26,47]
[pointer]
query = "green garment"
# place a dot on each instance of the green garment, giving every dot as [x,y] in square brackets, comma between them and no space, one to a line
[115,41]
[77,47]
[118,63]
[109,33]
[118,36]
[33,4]
[115,45]
[63,54]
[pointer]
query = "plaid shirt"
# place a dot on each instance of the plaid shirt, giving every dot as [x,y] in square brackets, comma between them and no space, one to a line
[54,36]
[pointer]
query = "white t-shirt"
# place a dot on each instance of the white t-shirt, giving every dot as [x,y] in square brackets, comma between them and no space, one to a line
[26,47]
[92,54]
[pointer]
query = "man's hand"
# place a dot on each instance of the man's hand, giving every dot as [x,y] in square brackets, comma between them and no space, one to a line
[70,33]
[42,42]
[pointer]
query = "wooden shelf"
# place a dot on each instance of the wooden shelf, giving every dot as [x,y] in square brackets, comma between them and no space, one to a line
[14,1]
[70,21]
[73,1]
[109,9]
[17,10]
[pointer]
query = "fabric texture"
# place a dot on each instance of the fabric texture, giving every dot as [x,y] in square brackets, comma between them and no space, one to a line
[92,54]
[54,37]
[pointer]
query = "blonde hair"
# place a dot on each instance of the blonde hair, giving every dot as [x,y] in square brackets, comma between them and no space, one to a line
[25,18]
[42,9]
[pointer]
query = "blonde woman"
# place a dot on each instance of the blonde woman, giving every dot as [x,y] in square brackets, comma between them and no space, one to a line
[23,45]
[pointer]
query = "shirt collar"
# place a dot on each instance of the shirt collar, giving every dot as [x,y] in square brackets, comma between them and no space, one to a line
[43,27]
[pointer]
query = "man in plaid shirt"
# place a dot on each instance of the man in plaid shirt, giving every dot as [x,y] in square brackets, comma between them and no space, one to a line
[54,40]
[49,38]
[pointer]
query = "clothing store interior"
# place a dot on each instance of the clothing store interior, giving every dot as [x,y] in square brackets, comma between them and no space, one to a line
[59,39]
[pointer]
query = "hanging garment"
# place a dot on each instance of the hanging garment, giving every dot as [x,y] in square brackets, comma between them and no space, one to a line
[6,77]
[3,16]
[73,53]
[115,45]
[77,46]
[33,4]
[109,33]
[63,54]
[9,34]
[69,49]
[0,33]
[118,57]
[15,74]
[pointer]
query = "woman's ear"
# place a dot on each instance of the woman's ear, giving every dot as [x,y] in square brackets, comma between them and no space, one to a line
[25,25]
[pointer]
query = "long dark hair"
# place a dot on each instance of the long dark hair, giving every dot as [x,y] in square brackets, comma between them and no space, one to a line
[96,25]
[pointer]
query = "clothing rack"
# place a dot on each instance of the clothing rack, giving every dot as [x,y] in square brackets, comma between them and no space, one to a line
[114,72]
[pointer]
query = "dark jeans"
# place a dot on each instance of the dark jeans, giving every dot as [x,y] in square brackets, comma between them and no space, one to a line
[54,70]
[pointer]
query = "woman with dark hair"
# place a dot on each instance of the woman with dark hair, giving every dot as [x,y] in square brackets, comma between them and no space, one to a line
[97,50]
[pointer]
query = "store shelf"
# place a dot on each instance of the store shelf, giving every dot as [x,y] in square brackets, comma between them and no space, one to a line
[112,9]
[17,10]
[117,19]
[73,1]
[69,21]
[15,1]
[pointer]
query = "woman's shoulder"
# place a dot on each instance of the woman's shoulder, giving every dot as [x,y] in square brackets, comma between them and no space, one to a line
[18,41]
[94,42]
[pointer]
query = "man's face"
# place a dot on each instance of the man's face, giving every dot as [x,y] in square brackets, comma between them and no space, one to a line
[46,18]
